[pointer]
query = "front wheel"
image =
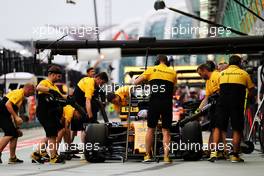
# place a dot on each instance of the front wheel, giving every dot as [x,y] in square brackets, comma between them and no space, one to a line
[95,142]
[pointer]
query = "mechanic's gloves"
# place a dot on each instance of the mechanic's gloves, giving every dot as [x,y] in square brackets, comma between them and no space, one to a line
[197,111]
[55,93]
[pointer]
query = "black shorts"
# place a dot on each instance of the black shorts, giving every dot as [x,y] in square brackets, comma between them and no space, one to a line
[49,116]
[8,126]
[6,122]
[227,109]
[212,117]
[160,108]
[78,124]
[79,96]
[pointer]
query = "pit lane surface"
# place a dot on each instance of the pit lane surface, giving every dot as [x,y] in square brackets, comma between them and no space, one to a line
[254,165]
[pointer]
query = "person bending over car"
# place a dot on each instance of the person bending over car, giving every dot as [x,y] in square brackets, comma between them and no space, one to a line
[119,97]
[86,93]
[212,76]
[160,104]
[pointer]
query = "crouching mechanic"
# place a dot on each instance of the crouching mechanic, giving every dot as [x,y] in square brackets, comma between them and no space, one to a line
[10,121]
[86,93]
[119,97]
[49,114]
[69,113]
[162,80]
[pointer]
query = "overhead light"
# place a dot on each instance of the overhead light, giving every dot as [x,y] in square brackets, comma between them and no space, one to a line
[105,53]
[159,4]
[102,56]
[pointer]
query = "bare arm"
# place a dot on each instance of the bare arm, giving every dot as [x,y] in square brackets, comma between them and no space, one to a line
[139,80]
[89,107]
[251,92]
[204,102]
[9,107]
[46,90]
[42,89]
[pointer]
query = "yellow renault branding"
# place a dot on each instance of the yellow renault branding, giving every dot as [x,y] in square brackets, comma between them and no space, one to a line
[125,109]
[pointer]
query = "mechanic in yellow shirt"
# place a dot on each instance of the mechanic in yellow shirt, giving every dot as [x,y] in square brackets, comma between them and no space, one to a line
[10,120]
[86,92]
[49,114]
[162,81]
[120,97]
[69,113]
[234,82]
[212,87]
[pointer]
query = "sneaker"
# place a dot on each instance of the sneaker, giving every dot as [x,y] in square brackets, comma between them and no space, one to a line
[58,159]
[213,157]
[235,158]
[226,155]
[68,157]
[37,158]
[45,156]
[206,154]
[222,155]
[82,157]
[167,159]
[147,158]
[1,158]
[15,160]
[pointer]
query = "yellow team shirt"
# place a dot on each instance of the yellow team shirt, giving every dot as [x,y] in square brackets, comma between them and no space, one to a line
[161,72]
[47,83]
[123,93]
[87,86]
[234,74]
[213,84]
[68,112]
[16,97]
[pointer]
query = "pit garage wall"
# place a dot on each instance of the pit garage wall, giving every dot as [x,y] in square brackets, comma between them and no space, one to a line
[240,19]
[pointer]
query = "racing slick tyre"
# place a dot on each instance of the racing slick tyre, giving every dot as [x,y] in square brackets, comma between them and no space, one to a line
[193,141]
[95,142]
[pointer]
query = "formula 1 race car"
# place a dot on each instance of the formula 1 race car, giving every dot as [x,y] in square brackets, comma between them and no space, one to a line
[126,140]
